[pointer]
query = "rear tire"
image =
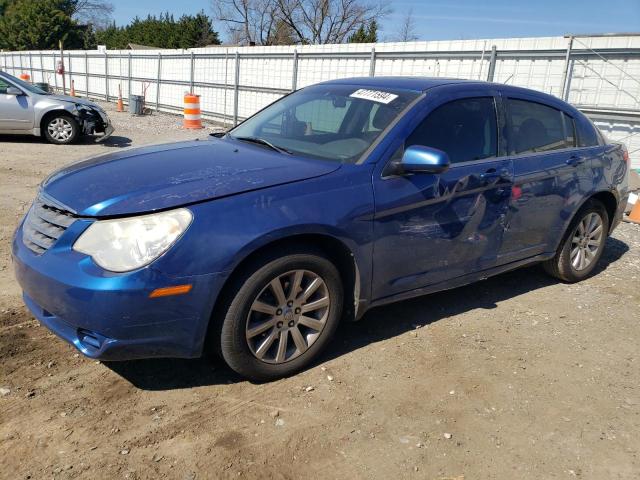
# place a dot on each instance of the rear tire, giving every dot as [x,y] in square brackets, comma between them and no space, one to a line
[269,332]
[582,245]
[61,129]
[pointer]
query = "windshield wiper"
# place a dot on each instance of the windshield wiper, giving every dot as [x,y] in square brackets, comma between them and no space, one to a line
[262,141]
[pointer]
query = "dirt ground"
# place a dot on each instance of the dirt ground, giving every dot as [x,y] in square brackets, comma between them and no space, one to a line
[516,377]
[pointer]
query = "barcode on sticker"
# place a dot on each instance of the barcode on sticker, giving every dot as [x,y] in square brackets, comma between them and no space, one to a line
[374,95]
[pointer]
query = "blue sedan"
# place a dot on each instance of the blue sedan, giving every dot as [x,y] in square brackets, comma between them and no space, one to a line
[335,199]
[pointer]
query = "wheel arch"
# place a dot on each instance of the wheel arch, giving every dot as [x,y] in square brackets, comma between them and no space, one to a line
[333,248]
[610,202]
[45,116]
[606,197]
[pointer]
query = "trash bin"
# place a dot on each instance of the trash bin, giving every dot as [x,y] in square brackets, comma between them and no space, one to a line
[42,86]
[136,104]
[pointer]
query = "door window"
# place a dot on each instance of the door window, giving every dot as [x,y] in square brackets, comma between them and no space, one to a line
[537,128]
[570,130]
[3,86]
[465,129]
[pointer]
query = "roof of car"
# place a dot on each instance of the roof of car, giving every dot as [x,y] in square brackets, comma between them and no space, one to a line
[409,83]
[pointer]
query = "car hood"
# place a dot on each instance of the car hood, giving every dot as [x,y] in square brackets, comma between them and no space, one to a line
[165,176]
[66,98]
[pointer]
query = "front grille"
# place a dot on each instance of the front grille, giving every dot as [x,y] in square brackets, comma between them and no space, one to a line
[44,225]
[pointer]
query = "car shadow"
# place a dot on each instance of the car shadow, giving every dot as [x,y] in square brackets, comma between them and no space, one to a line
[377,325]
[117,141]
[113,141]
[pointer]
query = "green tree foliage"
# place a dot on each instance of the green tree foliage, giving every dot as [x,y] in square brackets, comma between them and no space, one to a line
[189,31]
[366,33]
[40,24]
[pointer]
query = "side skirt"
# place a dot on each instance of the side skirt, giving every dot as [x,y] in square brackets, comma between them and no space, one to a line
[458,282]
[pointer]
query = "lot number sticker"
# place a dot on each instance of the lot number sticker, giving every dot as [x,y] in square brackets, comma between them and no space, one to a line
[374,95]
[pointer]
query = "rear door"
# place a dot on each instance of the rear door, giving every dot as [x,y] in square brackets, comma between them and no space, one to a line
[551,175]
[430,228]
[16,112]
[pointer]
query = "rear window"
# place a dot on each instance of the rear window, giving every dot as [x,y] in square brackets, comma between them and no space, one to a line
[537,128]
[589,135]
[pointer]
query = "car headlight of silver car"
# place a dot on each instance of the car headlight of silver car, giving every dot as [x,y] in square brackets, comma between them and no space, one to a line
[122,245]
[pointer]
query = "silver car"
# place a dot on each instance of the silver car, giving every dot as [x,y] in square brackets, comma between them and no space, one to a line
[26,109]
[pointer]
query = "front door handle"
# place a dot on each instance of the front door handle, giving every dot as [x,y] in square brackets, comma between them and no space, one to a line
[575,160]
[495,174]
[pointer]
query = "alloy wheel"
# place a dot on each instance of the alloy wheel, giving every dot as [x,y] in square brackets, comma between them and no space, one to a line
[60,129]
[586,241]
[287,316]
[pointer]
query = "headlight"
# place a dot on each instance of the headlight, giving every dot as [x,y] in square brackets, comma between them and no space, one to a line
[122,245]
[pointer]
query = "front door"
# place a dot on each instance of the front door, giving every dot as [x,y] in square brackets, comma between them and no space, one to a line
[16,112]
[430,228]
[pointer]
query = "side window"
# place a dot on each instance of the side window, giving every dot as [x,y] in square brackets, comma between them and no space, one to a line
[536,127]
[588,134]
[465,129]
[570,130]
[3,86]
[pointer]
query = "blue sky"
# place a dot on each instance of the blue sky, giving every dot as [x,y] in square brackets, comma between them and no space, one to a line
[442,19]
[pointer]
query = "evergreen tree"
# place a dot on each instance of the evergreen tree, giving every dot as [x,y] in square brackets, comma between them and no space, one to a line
[39,25]
[189,31]
[366,33]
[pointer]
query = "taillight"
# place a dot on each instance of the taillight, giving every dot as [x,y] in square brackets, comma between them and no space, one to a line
[625,155]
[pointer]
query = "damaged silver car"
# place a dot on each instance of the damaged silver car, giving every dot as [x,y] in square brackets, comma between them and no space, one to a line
[28,110]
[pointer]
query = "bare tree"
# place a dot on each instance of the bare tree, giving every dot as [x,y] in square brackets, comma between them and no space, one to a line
[248,21]
[93,12]
[304,21]
[407,31]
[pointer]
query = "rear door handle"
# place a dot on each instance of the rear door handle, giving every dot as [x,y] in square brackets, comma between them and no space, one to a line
[575,160]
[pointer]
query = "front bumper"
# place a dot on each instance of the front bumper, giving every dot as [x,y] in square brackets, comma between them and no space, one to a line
[110,316]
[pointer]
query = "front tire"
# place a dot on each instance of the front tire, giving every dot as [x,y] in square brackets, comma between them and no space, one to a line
[282,315]
[582,245]
[61,129]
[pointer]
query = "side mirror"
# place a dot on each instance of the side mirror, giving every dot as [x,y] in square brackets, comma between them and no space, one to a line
[420,159]
[14,91]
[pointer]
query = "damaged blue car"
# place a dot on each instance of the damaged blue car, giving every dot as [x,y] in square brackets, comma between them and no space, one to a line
[335,199]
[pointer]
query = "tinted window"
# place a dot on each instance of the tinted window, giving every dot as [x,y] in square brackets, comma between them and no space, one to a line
[536,127]
[570,130]
[465,129]
[3,86]
[587,134]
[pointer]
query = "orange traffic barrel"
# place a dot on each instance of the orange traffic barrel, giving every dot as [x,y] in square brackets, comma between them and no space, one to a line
[192,114]
[25,77]
[634,215]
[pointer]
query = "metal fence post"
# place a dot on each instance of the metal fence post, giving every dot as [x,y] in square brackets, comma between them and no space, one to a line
[106,76]
[372,63]
[492,64]
[236,86]
[192,67]
[86,72]
[42,68]
[31,67]
[294,73]
[55,74]
[566,77]
[70,72]
[129,76]
[158,82]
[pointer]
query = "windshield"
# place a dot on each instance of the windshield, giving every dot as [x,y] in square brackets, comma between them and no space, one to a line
[24,85]
[333,122]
